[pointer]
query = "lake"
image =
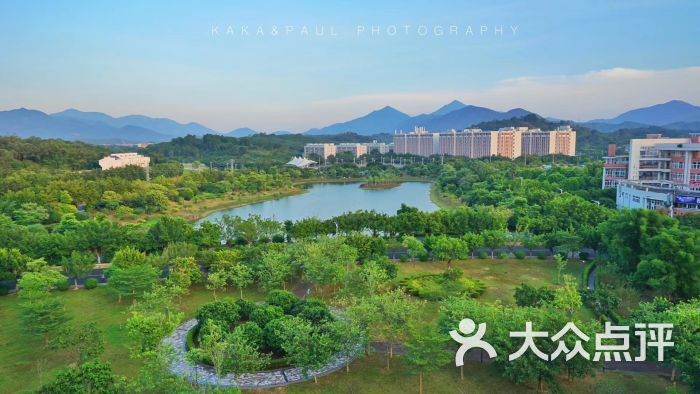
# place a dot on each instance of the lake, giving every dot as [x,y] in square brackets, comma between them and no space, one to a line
[325,200]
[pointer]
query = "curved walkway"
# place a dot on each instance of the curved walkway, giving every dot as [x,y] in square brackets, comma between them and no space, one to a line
[204,374]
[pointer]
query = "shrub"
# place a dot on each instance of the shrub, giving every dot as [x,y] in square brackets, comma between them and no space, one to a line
[278,238]
[283,299]
[224,311]
[403,258]
[423,257]
[583,255]
[264,314]
[245,308]
[501,255]
[435,287]
[90,283]
[63,285]
[251,332]
[4,290]
[542,255]
[483,255]
[519,255]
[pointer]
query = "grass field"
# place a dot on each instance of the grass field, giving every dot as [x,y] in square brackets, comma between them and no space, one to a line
[25,363]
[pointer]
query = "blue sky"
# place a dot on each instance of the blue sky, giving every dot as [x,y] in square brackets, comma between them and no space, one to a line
[572,59]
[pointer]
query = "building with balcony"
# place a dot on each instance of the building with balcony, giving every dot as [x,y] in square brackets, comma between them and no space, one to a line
[322,151]
[510,142]
[355,149]
[379,147]
[656,173]
[118,160]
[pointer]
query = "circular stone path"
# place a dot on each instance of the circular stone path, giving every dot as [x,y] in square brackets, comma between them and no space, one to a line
[202,374]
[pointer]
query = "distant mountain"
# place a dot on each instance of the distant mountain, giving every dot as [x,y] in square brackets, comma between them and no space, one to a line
[281,132]
[241,132]
[423,119]
[610,127]
[159,125]
[383,120]
[675,115]
[659,114]
[471,115]
[31,123]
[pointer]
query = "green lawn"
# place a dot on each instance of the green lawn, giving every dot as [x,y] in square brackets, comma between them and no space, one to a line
[500,276]
[25,363]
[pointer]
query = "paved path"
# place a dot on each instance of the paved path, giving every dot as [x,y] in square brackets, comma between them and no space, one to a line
[591,278]
[202,374]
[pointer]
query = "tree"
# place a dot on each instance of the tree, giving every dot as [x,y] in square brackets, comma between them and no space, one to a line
[567,297]
[308,347]
[561,266]
[127,257]
[152,318]
[414,247]
[90,377]
[474,241]
[274,270]
[215,346]
[85,342]
[493,239]
[425,352]
[448,248]
[216,280]
[12,263]
[242,276]
[244,356]
[526,295]
[78,265]
[131,281]
[395,308]
[326,259]
[41,312]
[183,272]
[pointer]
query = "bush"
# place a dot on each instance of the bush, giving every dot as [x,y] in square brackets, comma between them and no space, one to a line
[4,290]
[251,332]
[403,258]
[542,255]
[483,255]
[90,283]
[435,287]
[519,255]
[501,255]
[245,308]
[224,311]
[283,299]
[264,314]
[63,285]
[423,257]
[583,255]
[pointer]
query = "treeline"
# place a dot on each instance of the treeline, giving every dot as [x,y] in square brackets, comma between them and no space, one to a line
[259,150]
[18,153]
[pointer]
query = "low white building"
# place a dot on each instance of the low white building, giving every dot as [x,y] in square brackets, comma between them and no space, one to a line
[118,160]
[301,162]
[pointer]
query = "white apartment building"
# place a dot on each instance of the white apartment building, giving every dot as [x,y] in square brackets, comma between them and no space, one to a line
[355,149]
[118,160]
[320,150]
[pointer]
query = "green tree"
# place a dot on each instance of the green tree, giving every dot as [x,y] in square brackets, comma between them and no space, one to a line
[132,280]
[425,352]
[493,239]
[448,248]
[242,276]
[90,377]
[567,297]
[85,343]
[78,265]
[414,247]
[42,312]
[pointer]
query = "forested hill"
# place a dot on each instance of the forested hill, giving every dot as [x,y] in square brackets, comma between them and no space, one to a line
[18,152]
[588,141]
[259,148]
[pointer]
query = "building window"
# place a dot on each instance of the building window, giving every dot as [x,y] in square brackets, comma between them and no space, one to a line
[677,164]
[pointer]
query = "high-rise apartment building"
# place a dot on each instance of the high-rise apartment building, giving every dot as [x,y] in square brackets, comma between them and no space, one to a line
[356,150]
[510,142]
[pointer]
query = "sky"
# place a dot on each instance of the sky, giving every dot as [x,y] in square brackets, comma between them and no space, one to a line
[221,64]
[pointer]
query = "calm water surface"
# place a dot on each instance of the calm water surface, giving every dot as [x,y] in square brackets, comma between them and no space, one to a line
[326,200]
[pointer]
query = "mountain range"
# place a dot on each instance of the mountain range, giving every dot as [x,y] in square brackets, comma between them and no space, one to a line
[97,127]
